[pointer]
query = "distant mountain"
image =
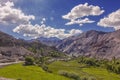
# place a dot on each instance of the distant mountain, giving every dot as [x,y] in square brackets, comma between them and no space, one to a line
[93,44]
[52,41]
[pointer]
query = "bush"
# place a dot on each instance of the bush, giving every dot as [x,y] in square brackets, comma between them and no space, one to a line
[113,67]
[29,61]
[45,68]
[89,61]
[54,54]
[69,75]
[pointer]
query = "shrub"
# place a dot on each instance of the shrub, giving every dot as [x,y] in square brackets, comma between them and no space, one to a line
[89,61]
[113,67]
[69,75]
[29,61]
[45,68]
[54,54]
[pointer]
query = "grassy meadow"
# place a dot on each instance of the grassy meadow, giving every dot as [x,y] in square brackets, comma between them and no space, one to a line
[83,71]
[20,72]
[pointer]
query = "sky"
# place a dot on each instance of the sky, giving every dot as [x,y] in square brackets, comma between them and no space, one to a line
[30,19]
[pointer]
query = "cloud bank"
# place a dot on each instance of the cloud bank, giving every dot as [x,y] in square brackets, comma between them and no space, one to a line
[36,31]
[79,13]
[112,20]
[11,15]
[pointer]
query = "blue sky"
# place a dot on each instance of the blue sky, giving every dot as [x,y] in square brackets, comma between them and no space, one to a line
[50,13]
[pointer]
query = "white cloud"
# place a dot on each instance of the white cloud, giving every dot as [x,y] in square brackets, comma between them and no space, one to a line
[112,20]
[74,32]
[4,1]
[81,11]
[11,15]
[79,21]
[36,31]
[43,20]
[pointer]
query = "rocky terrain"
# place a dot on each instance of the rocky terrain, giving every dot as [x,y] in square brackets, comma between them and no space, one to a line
[93,44]
[12,49]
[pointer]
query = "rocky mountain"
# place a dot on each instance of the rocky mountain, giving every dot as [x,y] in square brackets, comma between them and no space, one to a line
[12,49]
[52,41]
[93,44]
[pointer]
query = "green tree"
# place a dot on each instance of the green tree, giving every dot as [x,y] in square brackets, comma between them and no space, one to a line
[29,61]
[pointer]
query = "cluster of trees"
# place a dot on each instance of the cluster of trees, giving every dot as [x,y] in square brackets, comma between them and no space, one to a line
[56,54]
[114,68]
[46,52]
[89,61]
[29,61]
[40,57]
[113,65]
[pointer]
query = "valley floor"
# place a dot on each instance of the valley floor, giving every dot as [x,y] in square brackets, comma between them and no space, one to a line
[83,71]
[20,72]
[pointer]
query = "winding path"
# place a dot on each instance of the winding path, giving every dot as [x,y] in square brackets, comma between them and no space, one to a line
[5,64]
[1,78]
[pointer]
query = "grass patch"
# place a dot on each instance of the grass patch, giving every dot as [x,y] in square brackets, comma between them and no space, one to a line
[101,74]
[17,71]
[71,69]
[82,70]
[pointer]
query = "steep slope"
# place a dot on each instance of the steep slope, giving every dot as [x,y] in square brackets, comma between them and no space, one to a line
[93,44]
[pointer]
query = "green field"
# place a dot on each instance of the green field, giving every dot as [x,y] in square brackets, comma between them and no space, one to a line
[82,70]
[18,71]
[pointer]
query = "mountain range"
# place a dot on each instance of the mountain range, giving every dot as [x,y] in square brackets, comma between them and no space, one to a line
[93,44]
[52,41]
